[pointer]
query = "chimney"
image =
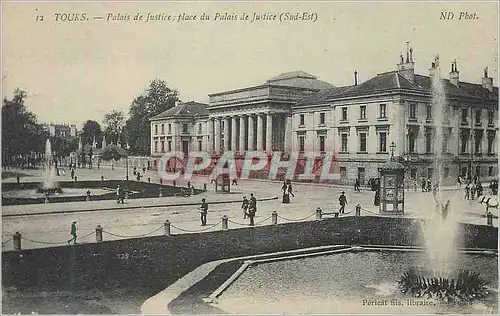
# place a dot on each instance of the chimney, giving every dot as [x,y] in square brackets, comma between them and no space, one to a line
[406,68]
[487,81]
[454,74]
[355,78]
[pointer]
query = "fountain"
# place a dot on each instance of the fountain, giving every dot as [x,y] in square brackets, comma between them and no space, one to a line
[49,173]
[440,278]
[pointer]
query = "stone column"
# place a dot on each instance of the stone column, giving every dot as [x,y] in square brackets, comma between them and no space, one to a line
[288,134]
[209,136]
[242,134]
[250,134]
[234,139]
[226,134]
[217,136]
[269,133]
[260,132]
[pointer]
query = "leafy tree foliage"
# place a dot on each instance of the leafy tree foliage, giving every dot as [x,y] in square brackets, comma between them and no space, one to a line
[21,134]
[114,123]
[91,129]
[157,98]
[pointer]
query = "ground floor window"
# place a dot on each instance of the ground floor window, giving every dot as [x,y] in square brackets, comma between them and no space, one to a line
[463,171]
[446,172]
[478,171]
[413,173]
[490,170]
[343,172]
[430,172]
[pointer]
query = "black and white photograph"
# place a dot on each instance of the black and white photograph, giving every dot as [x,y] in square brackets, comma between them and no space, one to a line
[239,157]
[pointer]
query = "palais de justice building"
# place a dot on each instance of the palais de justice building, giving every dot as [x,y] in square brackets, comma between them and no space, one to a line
[298,112]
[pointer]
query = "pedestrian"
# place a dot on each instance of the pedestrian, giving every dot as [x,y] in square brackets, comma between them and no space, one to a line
[343,202]
[252,209]
[120,192]
[253,201]
[135,171]
[429,185]
[472,192]
[290,190]
[244,207]
[72,173]
[423,185]
[479,189]
[73,233]
[357,185]
[376,200]
[203,212]
[143,170]
[467,191]
[284,187]
[138,176]
[459,182]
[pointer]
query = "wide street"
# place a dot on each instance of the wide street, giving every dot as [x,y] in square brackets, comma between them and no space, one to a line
[145,217]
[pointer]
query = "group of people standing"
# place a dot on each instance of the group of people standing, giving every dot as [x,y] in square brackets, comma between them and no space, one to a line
[427,186]
[473,189]
[249,208]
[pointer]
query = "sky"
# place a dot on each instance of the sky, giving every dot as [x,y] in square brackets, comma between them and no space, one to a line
[80,70]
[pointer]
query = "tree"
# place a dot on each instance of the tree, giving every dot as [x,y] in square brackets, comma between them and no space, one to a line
[91,130]
[21,134]
[114,122]
[157,98]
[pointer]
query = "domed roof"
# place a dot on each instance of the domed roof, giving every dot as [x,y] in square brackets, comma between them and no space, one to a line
[392,165]
[300,79]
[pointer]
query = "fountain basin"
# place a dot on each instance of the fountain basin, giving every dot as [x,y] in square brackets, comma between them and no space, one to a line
[349,282]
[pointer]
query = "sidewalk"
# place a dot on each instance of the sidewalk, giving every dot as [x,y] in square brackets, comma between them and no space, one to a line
[111,205]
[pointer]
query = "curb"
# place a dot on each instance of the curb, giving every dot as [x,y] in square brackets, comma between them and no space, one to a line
[130,207]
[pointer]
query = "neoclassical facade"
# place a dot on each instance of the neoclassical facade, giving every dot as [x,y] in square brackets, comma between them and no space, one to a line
[357,123]
[259,117]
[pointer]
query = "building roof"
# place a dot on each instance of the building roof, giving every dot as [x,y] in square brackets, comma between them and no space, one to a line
[186,110]
[299,79]
[394,80]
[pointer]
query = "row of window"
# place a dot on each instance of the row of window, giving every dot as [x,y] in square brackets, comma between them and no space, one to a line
[169,144]
[412,139]
[322,116]
[412,114]
[464,116]
[428,174]
[185,128]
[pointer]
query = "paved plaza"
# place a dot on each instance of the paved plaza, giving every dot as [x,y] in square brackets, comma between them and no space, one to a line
[145,217]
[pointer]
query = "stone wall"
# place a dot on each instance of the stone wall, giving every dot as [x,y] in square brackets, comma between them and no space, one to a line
[151,264]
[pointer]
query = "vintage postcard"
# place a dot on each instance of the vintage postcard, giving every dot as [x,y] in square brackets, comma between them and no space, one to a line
[273,157]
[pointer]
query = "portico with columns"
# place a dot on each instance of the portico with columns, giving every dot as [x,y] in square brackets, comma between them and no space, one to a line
[241,132]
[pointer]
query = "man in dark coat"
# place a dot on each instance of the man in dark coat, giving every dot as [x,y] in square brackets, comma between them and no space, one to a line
[252,209]
[203,212]
[343,202]
[253,201]
[73,233]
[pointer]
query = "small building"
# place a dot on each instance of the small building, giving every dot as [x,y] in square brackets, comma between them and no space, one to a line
[182,128]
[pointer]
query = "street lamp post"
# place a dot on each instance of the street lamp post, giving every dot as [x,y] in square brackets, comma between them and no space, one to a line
[126,158]
[392,147]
